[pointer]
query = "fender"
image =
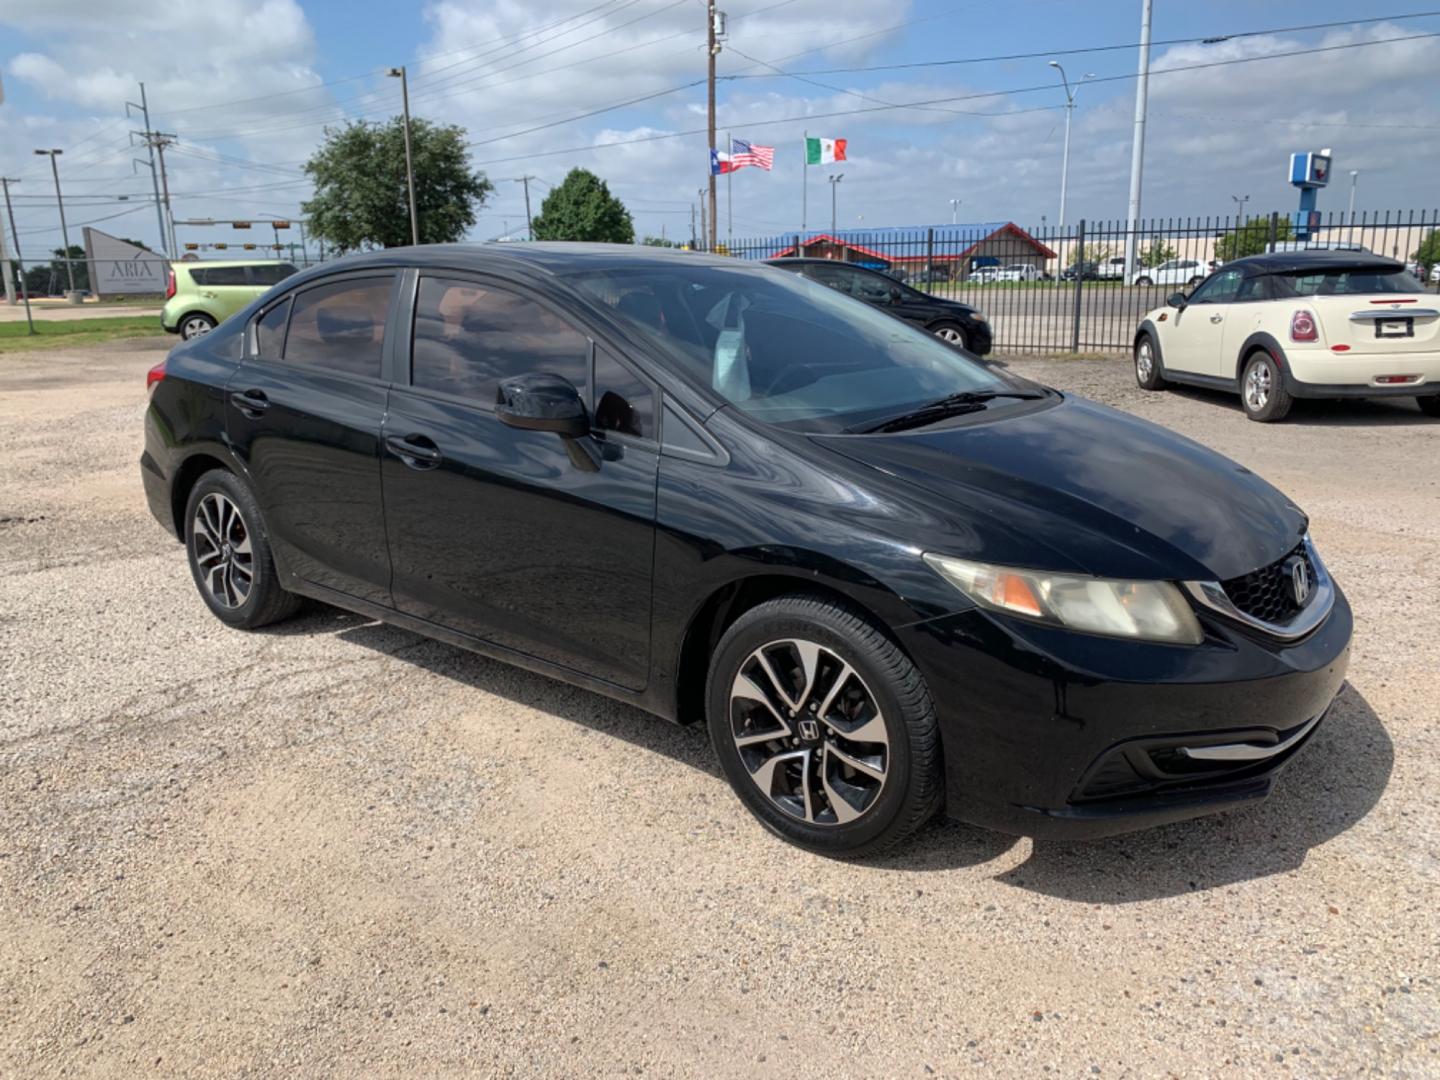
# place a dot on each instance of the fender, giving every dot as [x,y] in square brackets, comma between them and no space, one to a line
[1262,340]
[1147,327]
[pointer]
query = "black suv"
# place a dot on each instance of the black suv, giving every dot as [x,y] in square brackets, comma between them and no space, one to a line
[888,578]
[951,321]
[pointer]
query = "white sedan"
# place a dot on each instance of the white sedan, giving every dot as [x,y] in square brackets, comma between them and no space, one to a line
[1304,324]
[1018,272]
[1173,272]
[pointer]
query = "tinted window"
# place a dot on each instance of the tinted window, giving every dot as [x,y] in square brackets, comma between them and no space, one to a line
[1219,289]
[340,327]
[837,277]
[872,288]
[1359,281]
[219,275]
[270,331]
[783,348]
[270,273]
[622,402]
[469,336]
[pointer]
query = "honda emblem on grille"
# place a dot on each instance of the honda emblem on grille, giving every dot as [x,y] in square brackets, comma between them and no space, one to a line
[1299,580]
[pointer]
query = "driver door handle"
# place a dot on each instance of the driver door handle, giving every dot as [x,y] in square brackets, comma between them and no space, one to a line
[416,451]
[251,403]
[1217,318]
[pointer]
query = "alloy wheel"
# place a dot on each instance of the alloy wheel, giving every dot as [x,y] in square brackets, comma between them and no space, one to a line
[1144,360]
[195,326]
[222,550]
[951,336]
[809,732]
[1257,387]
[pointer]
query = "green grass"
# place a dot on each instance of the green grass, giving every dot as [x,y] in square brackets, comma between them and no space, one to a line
[69,333]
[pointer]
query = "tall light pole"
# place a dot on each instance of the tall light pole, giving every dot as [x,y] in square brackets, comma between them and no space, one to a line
[835,179]
[954,209]
[399,73]
[64,232]
[1069,114]
[1239,201]
[1137,145]
[1354,176]
[5,183]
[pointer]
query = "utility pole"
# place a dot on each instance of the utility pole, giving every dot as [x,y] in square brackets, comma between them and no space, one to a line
[704,244]
[399,73]
[5,183]
[715,27]
[530,232]
[1137,146]
[157,141]
[59,202]
[835,179]
[692,225]
[144,108]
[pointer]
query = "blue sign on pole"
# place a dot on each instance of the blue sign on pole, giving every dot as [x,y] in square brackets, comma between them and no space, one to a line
[1309,171]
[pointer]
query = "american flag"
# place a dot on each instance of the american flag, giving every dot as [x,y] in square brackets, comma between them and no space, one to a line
[743,153]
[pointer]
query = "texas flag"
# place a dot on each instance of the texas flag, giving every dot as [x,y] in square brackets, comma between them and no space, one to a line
[720,163]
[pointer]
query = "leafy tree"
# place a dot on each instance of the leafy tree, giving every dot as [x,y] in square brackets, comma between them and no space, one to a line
[582,208]
[82,268]
[360,193]
[1157,253]
[1252,238]
[660,241]
[1428,254]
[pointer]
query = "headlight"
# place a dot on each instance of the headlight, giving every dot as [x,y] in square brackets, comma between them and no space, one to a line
[978,316]
[1146,610]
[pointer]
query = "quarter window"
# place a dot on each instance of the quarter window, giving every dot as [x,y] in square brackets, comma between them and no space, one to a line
[469,336]
[623,403]
[270,330]
[340,327]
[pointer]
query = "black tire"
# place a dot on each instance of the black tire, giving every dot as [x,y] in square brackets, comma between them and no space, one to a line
[1195,281]
[1148,375]
[1430,405]
[952,333]
[1268,400]
[221,586]
[195,324]
[912,786]
[1144,281]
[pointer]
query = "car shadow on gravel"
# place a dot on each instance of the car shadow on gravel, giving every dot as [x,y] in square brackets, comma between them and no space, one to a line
[1325,791]
[1323,412]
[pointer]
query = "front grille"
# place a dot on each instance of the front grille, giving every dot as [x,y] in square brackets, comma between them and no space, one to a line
[1265,594]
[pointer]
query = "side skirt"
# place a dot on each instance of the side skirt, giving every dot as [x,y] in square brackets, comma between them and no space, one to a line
[1207,382]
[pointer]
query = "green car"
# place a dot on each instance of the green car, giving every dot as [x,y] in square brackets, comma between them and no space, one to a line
[199,294]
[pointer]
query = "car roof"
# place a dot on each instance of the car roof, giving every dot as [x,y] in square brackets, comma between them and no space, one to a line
[206,264]
[1284,262]
[546,256]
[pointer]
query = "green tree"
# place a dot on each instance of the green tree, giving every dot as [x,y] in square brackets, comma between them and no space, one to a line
[1157,253]
[360,193]
[1428,254]
[1252,238]
[660,241]
[582,208]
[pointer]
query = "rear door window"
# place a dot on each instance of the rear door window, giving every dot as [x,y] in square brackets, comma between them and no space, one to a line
[268,274]
[340,327]
[219,275]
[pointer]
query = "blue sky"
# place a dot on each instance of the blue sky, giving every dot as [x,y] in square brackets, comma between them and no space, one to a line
[502,68]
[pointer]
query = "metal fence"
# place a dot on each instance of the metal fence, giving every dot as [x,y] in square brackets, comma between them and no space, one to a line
[1086,287]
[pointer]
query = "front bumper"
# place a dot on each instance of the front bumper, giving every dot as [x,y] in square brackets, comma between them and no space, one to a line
[980,338]
[1055,734]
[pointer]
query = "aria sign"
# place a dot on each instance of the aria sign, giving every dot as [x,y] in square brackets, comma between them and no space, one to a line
[120,268]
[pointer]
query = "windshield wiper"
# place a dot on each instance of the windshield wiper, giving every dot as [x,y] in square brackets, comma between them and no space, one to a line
[950,405]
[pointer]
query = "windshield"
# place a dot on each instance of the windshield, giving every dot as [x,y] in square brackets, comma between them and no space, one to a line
[785,349]
[1359,281]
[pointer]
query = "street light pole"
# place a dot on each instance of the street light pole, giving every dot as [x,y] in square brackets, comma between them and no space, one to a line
[5,183]
[1240,201]
[1137,145]
[399,73]
[1354,176]
[954,209]
[834,183]
[59,202]
[1069,114]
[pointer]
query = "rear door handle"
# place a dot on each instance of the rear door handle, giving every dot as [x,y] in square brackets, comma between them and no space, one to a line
[251,403]
[416,451]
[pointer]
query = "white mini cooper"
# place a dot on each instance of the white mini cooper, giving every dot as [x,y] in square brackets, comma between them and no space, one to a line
[1304,324]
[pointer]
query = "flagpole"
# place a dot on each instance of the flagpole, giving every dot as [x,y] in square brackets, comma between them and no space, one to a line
[804,191]
[729,196]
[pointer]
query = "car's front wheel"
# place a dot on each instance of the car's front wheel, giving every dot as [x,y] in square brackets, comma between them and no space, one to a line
[1262,391]
[1144,281]
[230,556]
[952,334]
[1147,364]
[196,324]
[1430,406]
[824,727]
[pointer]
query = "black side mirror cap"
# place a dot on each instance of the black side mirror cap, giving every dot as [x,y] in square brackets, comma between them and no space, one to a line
[542,402]
[1177,300]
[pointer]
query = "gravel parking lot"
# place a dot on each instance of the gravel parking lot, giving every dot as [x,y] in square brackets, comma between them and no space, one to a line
[336,848]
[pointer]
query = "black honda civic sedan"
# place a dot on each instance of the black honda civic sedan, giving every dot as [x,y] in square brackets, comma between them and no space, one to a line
[887,578]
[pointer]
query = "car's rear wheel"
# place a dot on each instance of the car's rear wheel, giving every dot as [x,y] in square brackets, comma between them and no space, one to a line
[1262,391]
[1195,281]
[1144,281]
[196,324]
[1147,364]
[824,727]
[230,556]
[952,334]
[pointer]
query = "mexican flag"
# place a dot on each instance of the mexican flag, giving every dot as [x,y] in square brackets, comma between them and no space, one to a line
[824,151]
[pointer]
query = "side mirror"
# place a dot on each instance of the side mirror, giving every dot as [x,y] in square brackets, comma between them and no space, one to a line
[896,293]
[542,402]
[1177,300]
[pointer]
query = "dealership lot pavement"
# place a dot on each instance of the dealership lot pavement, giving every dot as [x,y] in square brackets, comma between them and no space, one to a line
[338,848]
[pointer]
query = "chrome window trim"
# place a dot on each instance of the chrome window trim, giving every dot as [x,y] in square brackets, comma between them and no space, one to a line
[1212,596]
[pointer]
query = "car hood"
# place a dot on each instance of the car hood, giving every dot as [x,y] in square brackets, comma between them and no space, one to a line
[1081,486]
